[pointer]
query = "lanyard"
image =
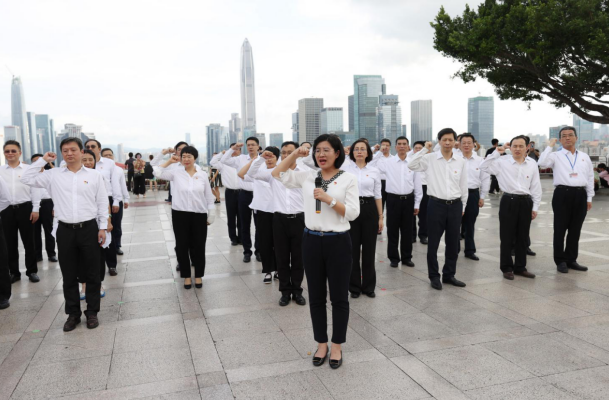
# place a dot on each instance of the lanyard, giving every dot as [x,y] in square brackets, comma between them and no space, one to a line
[574,162]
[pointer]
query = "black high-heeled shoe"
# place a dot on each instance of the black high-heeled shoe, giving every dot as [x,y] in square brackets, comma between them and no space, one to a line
[198,285]
[187,286]
[318,361]
[335,364]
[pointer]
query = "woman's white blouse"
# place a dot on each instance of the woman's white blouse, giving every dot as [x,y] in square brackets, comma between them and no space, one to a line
[344,189]
[263,195]
[189,193]
[368,179]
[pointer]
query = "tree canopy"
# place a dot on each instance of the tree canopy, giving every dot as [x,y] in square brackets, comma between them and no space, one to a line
[534,50]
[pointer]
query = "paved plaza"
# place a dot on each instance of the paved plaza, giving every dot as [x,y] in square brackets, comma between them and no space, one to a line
[546,338]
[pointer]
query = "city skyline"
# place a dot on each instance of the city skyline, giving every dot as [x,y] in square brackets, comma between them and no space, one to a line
[248,91]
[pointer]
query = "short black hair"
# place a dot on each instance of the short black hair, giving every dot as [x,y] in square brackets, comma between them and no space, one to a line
[138,154]
[447,131]
[106,149]
[368,150]
[231,145]
[567,128]
[336,144]
[467,135]
[35,155]
[601,165]
[130,154]
[289,142]
[151,157]
[93,140]
[274,150]
[402,138]
[495,141]
[190,150]
[526,142]
[89,152]
[71,140]
[254,138]
[13,142]
[385,140]
[178,145]
[306,142]
[421,142]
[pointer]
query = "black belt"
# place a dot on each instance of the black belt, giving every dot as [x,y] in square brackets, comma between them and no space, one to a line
[366,200]
[473,190]
[45,200]
[234,190]
[517,196]
[402,196]
[447,202]
[77,225]
[289,216]
[318,233]
[570,187]
[21,204]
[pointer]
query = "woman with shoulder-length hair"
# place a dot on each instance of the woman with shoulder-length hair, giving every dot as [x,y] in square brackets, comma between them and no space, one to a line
[369,223]
[191,211]
[139,178]
[331,200]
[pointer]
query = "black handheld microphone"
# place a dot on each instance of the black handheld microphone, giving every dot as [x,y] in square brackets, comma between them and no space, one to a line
[318,202]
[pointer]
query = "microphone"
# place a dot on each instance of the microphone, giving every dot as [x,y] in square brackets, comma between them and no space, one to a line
[318,202]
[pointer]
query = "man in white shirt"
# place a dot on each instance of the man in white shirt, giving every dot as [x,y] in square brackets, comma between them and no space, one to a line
[107,168]
[386,156]
[231,195]
[478,184]
[246,194]
[45,221]
[446,175]
[518,178]
[21,215]
[573,176]
[117,218]
[404,195]
[5,275]
[81,206]
[422,215]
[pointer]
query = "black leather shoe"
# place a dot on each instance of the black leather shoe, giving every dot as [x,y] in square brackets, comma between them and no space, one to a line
[408,263]
[15,278]
[178,267]
[424,240]
[284,300]
[113,272]
[472,257]
[34,278]
[198,285]
[4,304]
[562,267]
[38,259]
[370,294]
[530,252]
[119,252]
[319,361]
[189,285]
[414,240]
[247,258]
[354,295]
[299,299]
[92,321]
[71,323]
[577,267]
[335,364]
[526,274]
[258,258]
[508,275]
[393,264]
[453,281]
[53,259]
[234,244]
[436,284]
[276,275]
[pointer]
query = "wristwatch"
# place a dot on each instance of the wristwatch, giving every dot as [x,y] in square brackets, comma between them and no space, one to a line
[333,203]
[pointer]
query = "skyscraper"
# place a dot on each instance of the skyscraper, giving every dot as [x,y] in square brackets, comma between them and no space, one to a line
[367,89]
[331,120]
[554,130]
[309,119]
[43,122]
[585,129]
[120,157]
[261,140]
[248,95]
[234,128]
[295,127]
[275,139]
[481,119]
[187,138]
[31,122]
[389,117]
[351,113]
[213,136]
[53,135]
[420,120]
[19,117]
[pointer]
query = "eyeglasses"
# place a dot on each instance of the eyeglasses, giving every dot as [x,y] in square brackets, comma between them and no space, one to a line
[358,150]
[10,151]
[568,135]
[324,151]
[91,147]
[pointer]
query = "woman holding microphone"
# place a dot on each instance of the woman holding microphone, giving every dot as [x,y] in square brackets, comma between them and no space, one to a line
[331,200]
[191,207]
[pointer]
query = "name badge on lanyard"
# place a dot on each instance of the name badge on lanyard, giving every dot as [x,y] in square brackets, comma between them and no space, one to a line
[573,174]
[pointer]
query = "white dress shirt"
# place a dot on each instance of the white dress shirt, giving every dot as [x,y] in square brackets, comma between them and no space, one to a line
[230,180]
[401,180]
[237,163]
[569,169]
[158,159]
[285,201]
[456,152]
[5,200]
[343,189]
[123,184]
[476,178]
[18,192]
[515,178]
[188,193]
[106,167]
[422,173]
[263,195]
[368,180]
[446,179]
[77,196]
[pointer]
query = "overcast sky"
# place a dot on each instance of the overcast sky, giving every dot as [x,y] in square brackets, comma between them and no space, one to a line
[145,72]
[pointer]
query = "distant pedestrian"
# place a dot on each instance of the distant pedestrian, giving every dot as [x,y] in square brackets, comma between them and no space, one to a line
[139,180]
[130,171]
[149,175]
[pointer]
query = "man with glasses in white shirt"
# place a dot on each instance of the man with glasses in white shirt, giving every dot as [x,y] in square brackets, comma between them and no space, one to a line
[5,275]
[117,218]
[230,181]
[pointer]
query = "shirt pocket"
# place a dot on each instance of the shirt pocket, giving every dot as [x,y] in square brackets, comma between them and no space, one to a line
[455,174]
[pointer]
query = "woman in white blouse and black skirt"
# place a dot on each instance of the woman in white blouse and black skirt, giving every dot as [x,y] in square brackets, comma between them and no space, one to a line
[326,244]
[191,207]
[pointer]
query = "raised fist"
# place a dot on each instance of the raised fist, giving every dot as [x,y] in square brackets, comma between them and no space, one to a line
[174,159]
[552,142]
[377,147]
[237,146]
[501,149]
[267,155]
[49,157]
[428,145]
[301,152]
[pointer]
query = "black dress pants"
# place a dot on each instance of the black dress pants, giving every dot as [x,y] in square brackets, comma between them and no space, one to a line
[570,209]
[514,224]
[327,261]
[110,251]
[16,220]
[191,235]
[245,215]
[130,180]
[5,276]
[117,229]
[45,221]
[139,185]
[469,221]
[231,197]
[79,258]
[494,185]
[443,218]
[423,214]
[266,249]
[363,234]
[384,192]
[287,237]
[400,211]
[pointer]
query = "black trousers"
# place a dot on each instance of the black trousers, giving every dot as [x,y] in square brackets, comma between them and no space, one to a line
[443,218]
[469,221]
[231,197]
[514,224]
[117,229]
[384,192]
[191,235]
[130,180]
[267,246]
[245,215]
[110,251]
[16,221]
[363,242]
[494,185]
[327,260]
[287,237]
[139,184]
[422,216]
[79,258]
[169,191]
[570,209]
[45,221]
[400,211]
[5,276]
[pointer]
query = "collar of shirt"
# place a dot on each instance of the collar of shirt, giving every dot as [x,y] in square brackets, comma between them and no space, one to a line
[20,166]
[513,161]
[452,156]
